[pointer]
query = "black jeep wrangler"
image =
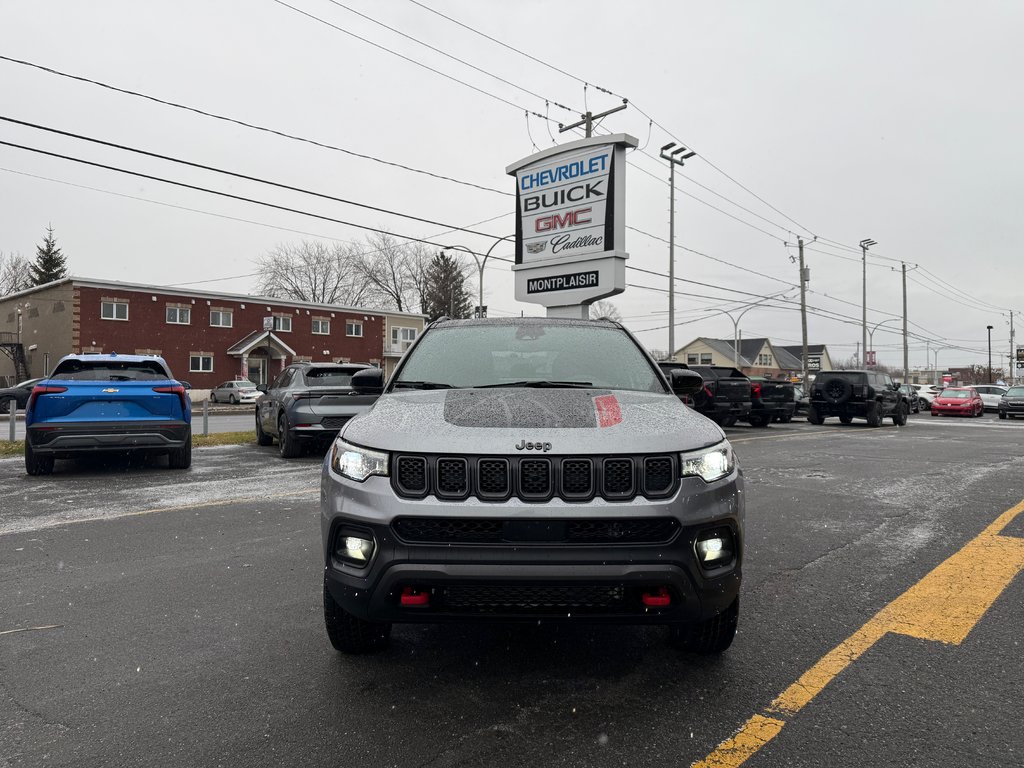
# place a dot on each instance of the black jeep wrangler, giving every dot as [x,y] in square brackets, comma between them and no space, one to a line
[857,395]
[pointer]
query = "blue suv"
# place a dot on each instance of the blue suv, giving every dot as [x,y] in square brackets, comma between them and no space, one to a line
[97,403]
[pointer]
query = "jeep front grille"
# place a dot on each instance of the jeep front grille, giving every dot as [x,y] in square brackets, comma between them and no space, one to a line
[459,530]
[534,478]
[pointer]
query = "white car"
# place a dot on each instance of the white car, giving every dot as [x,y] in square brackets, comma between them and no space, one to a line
[926,393]
[990,394]
[235,392]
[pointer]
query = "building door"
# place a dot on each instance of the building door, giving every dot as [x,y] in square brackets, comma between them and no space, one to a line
[258,370]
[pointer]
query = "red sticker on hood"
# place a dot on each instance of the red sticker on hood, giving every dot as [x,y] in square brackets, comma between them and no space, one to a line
[608,411]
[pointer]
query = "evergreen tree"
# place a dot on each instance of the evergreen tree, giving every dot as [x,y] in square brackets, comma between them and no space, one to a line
[50,263]
[444,289]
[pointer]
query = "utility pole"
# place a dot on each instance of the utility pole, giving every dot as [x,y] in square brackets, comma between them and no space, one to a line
[587,119]
[1013,354]
[906,349]
[803,310]
[857,355]
[989,327]
[675,157]
[864,245]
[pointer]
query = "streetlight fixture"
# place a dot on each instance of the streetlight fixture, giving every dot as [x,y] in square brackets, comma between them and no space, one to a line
[871,337]
[675,156]
[479,265]
[736,322]
[989,353]
[864,245]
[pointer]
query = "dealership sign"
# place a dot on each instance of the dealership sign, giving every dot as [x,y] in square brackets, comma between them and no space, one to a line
[570,223]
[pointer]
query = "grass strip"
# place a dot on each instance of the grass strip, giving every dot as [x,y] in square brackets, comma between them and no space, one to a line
[10,449]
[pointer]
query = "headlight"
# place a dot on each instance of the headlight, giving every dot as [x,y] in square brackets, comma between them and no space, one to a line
[710,465]
[357,463]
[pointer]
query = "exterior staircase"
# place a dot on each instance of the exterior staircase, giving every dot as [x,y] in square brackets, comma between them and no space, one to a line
[15,350]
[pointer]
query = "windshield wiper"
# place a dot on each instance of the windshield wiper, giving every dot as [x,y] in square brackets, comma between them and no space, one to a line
[421,385]
[542,384]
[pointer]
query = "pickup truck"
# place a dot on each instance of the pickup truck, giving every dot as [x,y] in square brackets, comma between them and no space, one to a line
[772,400]
[725,397]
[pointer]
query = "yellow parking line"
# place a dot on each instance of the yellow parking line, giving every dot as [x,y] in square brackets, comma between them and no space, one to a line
[944,606]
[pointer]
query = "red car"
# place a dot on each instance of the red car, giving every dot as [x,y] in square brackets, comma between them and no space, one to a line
[958,401]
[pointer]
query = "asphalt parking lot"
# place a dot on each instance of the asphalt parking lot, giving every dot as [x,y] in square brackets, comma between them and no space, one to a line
[154,617]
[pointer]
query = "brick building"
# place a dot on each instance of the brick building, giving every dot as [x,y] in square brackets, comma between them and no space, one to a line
[206,337]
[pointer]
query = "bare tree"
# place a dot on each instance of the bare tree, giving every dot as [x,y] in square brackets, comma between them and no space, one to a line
[15,273]
[315,272]
[605,310]
[391,269]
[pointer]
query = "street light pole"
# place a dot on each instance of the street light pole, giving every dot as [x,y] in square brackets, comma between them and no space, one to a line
[736,322]
[871,336]
[989,353]
[675,156]
[864,245]
[479,265]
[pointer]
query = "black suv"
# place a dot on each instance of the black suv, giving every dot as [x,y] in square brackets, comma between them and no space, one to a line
[857,395]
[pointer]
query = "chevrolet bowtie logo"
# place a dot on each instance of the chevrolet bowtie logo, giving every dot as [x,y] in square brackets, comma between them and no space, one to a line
[111,389]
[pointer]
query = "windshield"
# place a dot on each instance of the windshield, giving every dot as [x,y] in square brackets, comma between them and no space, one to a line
[1015,392]
[511,354]
[957,394]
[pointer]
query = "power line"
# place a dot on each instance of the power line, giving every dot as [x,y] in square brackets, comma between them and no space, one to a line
[234,174]
[230,196]
[405,58]
[253,126]
[451,56]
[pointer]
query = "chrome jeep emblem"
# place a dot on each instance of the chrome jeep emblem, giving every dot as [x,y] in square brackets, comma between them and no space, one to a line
[525,446]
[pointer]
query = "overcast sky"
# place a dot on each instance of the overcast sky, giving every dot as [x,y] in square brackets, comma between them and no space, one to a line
[897,121]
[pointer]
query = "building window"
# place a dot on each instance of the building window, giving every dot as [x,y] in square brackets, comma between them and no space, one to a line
[179,315]
[691,359]
[705,358]
[282,323]
[353,328]
[114,310]
[765,360]
[321,327]
[222,318]
[401,338]
[200,363]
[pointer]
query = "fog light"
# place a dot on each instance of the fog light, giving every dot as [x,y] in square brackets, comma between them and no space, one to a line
[355,550]
[715,548]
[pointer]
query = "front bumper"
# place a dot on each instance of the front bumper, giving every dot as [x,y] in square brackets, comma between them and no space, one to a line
[527,580]
[76,438]
[945,410]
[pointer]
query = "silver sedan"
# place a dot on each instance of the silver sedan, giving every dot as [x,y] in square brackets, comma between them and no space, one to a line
[235,392]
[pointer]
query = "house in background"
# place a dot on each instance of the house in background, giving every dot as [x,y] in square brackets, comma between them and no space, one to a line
[206,337]
[757,357]
[818,358]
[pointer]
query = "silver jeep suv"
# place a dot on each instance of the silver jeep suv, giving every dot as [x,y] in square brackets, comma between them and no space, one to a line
[531,470]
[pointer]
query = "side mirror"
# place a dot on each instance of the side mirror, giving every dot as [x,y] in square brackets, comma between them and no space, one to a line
[185,384]
[896,385]
[685,382]
[369,381]
[261,388]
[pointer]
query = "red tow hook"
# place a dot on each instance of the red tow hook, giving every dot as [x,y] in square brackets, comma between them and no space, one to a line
[415,596]
[657,599]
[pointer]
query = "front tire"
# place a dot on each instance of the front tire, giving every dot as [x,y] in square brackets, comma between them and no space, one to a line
[35,464]
[213,397]
[232,400]
[262,438]
[1002,415]
[350,634]
[813,417]
[900,417]
[707,637]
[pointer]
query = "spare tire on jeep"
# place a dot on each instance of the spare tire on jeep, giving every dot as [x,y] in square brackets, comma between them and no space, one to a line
[836,390]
